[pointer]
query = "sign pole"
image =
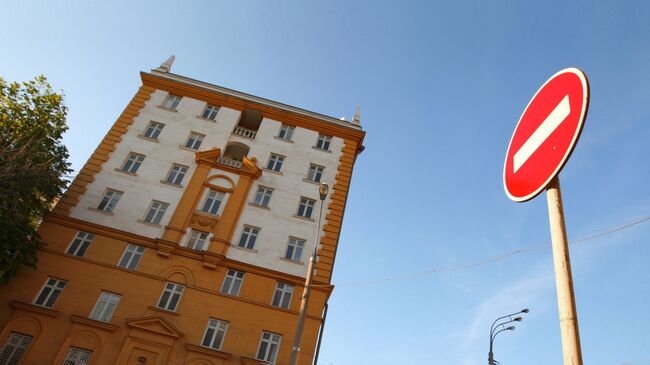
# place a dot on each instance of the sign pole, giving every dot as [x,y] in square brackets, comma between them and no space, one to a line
[563,279]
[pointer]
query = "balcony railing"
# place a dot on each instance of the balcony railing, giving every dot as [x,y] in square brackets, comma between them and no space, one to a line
[229,162]
[244,132]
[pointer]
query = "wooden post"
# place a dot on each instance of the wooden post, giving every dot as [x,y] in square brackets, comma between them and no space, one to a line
[563,279]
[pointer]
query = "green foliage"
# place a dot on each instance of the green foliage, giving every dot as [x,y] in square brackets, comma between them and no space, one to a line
[33,167]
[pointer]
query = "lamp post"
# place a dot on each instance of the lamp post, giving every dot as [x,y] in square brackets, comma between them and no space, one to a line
[501,322]
[295,349]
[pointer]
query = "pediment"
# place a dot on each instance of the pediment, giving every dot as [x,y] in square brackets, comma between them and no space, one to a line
[209,156]
[155,324]
[250,166]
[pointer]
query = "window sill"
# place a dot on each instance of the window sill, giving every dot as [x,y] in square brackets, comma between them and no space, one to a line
[163,310]
[281,308]
[148,223]
[283,139]
[171,184]
[206,119]
[207,351]
[206,214]
[245,360]
[94,323]
[311,181]
[244,248]
[35,308]
[100,211]
[147,138]
[259,206]
[168,109]
[187,148]
[321,149]
[273,171]
[303,218]
[126,172]
[297,262]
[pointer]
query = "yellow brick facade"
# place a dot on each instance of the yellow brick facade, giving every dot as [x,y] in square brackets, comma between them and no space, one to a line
[139,332]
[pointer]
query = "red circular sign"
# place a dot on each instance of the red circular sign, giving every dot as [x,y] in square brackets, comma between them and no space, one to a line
[546,134]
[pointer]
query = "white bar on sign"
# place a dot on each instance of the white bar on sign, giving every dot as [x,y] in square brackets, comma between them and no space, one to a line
[557,116]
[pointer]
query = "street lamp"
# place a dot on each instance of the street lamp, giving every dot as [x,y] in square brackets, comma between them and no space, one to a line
[500,323]
[323,189]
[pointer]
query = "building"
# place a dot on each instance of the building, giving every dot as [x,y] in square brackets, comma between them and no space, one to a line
[185,238]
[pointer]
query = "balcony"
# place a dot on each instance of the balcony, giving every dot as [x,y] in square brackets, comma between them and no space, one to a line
[248,124]
[229,162]
[245,132]
[234,154]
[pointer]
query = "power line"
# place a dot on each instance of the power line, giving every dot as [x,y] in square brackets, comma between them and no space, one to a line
[489,260]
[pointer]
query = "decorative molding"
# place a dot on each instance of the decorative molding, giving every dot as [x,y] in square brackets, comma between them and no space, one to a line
[286,114]
[203,221]
[93,323]
[15,304]
[335,212]
[245,360]
[226,264]
[79,185]
[154,244]
[155,324]
[207,351]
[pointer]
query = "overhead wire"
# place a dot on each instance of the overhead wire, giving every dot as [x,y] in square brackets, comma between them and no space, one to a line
[489,260]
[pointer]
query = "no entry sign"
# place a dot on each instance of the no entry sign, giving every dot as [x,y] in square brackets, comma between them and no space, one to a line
[546,134]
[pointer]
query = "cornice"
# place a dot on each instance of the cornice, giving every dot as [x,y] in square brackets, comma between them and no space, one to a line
[240,101]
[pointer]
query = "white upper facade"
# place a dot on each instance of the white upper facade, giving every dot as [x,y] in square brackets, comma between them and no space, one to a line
[277,223]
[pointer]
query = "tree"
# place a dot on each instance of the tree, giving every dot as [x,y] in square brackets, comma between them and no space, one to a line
[33,166]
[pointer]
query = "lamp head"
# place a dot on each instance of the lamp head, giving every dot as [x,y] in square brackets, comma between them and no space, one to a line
[518,319]
[323,190]
[511,328]
[525,310]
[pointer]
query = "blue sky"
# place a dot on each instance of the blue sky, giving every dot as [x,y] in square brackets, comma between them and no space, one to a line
[441,87]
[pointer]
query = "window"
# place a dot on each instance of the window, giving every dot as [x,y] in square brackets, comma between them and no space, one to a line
[214,334]
[269,344]
[213,201]
[294,249]
[194,140]
[286,132]
[248,237]
[12,351]
[275,162]
[172,101]
[105,306]
[210,112]
[77,356]
[232,282]
[263,196]
[132,163]
[156,212]
[171,296]
[197,240]
[306,207]
[282,296]
[80,244]
[176,174]
[315,173]
[131,257]
[323,142]
[50,292]
[109,201]
[153,130]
